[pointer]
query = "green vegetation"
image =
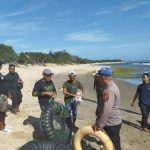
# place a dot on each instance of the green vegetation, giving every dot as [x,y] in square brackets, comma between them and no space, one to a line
[8,55]
[121,72]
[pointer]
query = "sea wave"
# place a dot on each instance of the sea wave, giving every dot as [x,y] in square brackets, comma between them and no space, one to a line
[144,63]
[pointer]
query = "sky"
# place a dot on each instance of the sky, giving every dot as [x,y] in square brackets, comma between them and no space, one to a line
[93,29]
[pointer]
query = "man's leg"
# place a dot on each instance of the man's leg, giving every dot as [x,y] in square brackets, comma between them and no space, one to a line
[18,99]
[144,112]
[74,107]
[114,134]
[14,101]
[2,120]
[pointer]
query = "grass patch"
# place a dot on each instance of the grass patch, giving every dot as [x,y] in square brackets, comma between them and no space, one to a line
[121,72]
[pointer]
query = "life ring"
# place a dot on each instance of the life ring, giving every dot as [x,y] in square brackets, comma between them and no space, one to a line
[87,130]
[44,145]
[56,123]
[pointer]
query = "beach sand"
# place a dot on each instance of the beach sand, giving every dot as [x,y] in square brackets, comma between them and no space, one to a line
[25,123]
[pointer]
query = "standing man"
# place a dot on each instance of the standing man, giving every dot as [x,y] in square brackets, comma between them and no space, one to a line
[4,93]
[143,94]
[44,89]
[108,114]
[15,84]
[70,89]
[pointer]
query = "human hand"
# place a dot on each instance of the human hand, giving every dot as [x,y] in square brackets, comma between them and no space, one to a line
[48,93]
[95,127]
[132,104]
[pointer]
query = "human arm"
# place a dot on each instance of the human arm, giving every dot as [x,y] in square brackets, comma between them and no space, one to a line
[36,90]
[134,99]
[67,93]
[81,88]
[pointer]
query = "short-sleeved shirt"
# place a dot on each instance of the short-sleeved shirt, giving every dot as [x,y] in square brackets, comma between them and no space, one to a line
[144,93]
[72,87]
[43,86]
[12,79]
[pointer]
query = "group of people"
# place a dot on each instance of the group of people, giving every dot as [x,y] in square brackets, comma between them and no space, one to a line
[10,87]
[108,96]
[45,90]
[107,113]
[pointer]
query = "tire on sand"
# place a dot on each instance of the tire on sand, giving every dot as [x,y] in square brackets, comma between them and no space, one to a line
[56,123]
[44,145]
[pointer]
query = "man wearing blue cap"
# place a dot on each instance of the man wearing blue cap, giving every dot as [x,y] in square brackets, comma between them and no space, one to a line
[108,114]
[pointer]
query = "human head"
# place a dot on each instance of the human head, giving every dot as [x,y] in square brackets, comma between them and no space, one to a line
[11,68]
[47,74]
[72,75]
[104,75]
[1,63]
[145,77]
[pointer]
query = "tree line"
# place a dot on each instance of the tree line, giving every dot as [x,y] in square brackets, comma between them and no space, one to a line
[8,55]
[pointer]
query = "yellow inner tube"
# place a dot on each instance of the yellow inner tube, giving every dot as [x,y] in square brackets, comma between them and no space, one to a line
[107,143]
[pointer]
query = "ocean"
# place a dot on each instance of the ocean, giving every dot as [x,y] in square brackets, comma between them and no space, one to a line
[141,67]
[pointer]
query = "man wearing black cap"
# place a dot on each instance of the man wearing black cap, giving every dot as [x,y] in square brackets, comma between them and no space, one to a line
[108,114]
[143,94]
[44,89]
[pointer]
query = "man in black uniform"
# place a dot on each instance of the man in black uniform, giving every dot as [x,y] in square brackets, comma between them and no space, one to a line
[44,89]
[14,82]
[3,99]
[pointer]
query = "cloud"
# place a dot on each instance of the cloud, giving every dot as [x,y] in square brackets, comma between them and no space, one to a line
[133,5]
[20,26]
[16,43]
[23,11]
[103,12]
[95,36]
[15,13]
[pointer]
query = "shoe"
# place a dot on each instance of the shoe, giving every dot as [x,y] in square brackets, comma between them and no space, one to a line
[8,127]
[146,130]
[6,130]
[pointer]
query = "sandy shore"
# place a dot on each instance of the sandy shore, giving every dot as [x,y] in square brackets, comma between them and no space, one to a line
[132,138]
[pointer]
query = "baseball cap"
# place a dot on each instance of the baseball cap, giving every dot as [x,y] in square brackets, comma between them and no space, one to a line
[72,73]
[105,71]
[47,72]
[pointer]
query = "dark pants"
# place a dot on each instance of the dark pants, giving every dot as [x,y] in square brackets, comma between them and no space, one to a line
[145,109]
[16,96]
[2,120]
[114,134]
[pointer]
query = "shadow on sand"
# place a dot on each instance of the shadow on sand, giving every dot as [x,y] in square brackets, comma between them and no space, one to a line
[89,100]
[130,111]
[35,123]
[131,124]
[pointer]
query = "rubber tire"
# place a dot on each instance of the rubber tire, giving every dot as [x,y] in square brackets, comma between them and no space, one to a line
[47,123]
[44,145]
